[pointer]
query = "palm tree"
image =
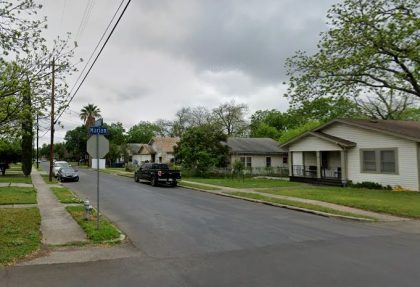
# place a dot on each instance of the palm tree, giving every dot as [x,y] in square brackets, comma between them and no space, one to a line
[89,113]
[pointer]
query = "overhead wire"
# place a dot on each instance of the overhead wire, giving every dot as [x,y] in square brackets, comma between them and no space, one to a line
[99,53]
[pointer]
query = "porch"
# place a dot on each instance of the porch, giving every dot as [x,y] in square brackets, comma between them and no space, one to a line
[323,167]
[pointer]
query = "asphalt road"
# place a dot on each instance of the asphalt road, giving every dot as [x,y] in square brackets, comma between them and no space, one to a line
[191,238]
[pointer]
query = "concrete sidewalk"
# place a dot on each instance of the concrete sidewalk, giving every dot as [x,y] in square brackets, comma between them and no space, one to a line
[378,216]
[57,226]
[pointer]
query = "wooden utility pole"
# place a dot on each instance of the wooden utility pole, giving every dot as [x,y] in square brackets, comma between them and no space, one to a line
[52,121]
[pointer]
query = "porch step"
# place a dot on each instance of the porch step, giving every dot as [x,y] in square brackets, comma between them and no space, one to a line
[320,181]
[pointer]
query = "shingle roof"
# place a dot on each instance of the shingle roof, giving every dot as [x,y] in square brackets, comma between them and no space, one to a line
[134,147]
[146,149]
[405,129]
[334,139]
[167,144]
[254,146]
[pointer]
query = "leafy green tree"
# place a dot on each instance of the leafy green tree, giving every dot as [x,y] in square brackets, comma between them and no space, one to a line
[292,133]
[116,133]
[24,55]
[143,132]
[323,109]
[200,148]
[76,140]
[10,150]
[371,46]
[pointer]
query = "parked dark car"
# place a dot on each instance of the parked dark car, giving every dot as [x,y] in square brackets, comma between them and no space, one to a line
[67,174]
[157,173]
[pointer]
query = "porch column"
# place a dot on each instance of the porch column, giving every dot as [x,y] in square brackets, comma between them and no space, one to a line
[343,155]
[290,162]
[318,164]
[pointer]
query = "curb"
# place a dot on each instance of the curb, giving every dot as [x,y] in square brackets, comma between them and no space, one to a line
[320,213]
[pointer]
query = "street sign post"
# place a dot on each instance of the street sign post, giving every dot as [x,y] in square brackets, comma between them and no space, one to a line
[97,147]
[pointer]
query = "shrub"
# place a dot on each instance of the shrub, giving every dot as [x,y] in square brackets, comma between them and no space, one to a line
[370,185]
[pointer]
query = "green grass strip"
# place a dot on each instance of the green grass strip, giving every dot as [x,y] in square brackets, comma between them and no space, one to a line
[297,204]
[15,178]
[47,179]
[404,203]
[107,231]
[245,183]
[17,195]
[19,233]
[198,186]
[65,195]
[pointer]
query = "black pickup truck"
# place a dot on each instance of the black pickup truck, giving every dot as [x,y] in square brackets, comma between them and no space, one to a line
[157,173]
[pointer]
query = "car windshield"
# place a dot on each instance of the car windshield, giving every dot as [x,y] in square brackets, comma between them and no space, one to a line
[67,169]
[61,164]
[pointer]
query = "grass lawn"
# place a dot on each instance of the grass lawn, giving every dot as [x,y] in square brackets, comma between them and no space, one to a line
[107,230]
[15,178]
[65,195]
[396,203]
[246,183]
[199,186]
[297,204]
[17,195]
[47,179]
[19,233]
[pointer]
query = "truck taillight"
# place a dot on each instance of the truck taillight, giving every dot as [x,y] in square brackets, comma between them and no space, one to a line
[159,173]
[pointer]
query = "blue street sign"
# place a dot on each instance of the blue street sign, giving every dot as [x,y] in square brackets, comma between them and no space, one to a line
[98,131]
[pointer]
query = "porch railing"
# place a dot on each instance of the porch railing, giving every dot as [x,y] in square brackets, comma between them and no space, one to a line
[310,171]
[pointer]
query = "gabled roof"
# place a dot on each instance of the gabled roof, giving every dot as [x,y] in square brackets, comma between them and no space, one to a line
[146,149]
[403,129]
[254,146]
[166,144]
[134,148]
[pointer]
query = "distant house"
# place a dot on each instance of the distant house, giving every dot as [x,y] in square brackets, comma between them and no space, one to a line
[159,149]
[382,151]
[133,152]
[257,153]
[163,148]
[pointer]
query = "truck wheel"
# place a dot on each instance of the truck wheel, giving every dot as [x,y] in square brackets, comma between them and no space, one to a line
[136,179]
[174,184]
[154,181]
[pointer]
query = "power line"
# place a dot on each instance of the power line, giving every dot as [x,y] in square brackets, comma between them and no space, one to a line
[97,56]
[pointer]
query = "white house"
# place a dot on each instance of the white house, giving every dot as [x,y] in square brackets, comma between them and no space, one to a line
[382,151]
[257,153]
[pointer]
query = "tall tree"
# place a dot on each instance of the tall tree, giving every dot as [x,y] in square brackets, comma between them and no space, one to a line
[89,113]
[200,148]
[143,132]
[371,45]
[24,55]
[76,142]
[27,131]
[231,117]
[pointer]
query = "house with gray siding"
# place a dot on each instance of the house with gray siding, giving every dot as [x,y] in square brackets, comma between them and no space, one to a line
[257,154]
[382,151]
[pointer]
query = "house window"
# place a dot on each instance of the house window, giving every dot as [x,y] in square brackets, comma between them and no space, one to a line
[268,161]
[246,161]
[379,161]
[249,161]
[388,161]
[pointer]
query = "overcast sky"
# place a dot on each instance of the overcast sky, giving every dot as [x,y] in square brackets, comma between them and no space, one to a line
[169,54]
